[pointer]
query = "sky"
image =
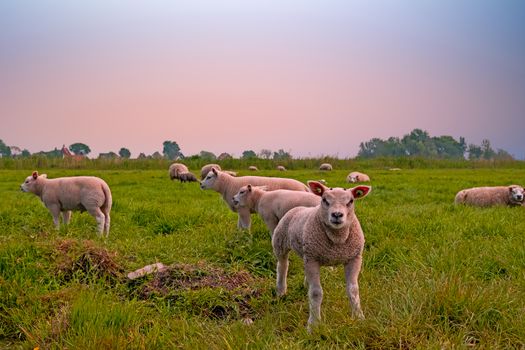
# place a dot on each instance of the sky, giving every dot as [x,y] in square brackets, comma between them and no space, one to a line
[314,78]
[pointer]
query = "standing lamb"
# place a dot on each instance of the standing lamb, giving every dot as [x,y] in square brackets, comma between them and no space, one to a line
[325,166]
[328,234]
[175,169]
[281,168]
[271,206]
[66,194]
[187,177]
[228,186]
[490,196]
[206,169]
[356,176]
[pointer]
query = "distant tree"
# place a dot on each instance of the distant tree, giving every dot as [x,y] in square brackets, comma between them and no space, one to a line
[248,154]
[109,155]
[474,152]
[206,155]
[224,156]
[156,155]
[171,150]
[124,153]
[503,155]
[265,153]
[281,155]
[486,150]
[448,147]
[79,148]
[141,156]
[25,153]
[5,151]
[15,151]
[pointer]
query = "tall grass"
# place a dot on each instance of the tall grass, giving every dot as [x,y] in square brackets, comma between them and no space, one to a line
[434,275]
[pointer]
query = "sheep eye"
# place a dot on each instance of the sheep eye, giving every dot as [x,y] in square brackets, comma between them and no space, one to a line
[325,202]
[350,203]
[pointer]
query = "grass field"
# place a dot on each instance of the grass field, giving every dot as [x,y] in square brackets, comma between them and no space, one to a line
[434,275]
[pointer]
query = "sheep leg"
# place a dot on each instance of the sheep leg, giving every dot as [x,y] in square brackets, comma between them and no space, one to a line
[55,212]
[352,270]
[282,272]
[244,221]
[106,223]
[99,216]
[315,291]
[66,216]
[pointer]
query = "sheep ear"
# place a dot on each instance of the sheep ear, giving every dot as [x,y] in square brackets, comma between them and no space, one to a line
[214,171]
[35,174]
[360,191]
[316,187]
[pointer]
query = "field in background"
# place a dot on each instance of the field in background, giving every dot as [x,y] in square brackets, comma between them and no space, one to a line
[434,275]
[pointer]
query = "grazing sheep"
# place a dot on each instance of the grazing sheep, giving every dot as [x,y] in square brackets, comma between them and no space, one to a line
[325,166]
[356,176]
[228,186]
[206,169]
[281,168]
[66,194]
[327,234]
[176,169]
[187,177]
[232,173]
[253,168]
[491,196]
[272,206]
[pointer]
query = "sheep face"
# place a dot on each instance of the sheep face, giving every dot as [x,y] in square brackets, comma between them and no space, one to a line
[352,179]
[240,198]
[338,203]
[30,183]
[517,193]
[209,180]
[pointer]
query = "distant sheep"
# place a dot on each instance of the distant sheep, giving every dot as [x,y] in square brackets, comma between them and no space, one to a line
[281,168]
[253,168]
[175,169]
[206,169]
[271,206]
[187,177]
[491,196]
[326,166]
[228,186]
[66,194]
[229,172]
[327,234]
[356,176]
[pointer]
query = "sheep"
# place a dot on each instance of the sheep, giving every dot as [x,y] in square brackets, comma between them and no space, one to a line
[490,196]
[206,169]
[232,173]
[325,166]
[175,169]
[228,186]
[272,206]
[187,177]
[356,176]
[281,168]
[66,194]
[327,234]
[253,168]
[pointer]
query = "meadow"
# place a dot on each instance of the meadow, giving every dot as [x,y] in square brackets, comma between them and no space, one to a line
[434,275]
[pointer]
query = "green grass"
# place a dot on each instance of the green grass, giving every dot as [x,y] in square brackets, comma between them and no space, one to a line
[434,275]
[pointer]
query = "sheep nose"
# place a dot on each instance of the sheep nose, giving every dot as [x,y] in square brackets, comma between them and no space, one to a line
[337,215]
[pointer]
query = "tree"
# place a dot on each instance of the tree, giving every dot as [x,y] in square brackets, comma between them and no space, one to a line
[224,156]
[141,156]
[474,152]
[486,149]
[171,150]
[281,155]
[80,149]
[156,155]
[206,155]
[109,155]
[5,151]
[25,153]
[249,154]
[265,153]
[503,155]
[124,153]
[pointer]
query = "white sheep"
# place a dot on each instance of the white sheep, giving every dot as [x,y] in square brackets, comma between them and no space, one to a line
[356,176]
[281,168]
[175,169]
[325,166]
[491,196]
[327,234]
[206,169]
[187,177]
[66,194]
[271,206]
[228,186]
[253,168]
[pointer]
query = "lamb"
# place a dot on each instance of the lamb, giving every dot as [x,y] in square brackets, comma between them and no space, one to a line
[175,169]
[281,168]
[491,196]
[356,176]
[326,166]
[187,177]
[206,169]
[253,168]
[327,234]
[66,194]
[272,206]
[228,186]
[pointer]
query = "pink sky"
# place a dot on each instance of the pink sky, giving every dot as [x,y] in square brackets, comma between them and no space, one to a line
[228,77]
